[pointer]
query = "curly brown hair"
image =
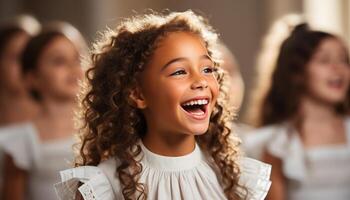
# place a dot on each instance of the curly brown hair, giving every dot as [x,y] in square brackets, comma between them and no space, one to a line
[112,126]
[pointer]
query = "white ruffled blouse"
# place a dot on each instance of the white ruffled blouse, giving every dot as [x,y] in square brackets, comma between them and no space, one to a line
[320,173]
[42,159]
[186,177]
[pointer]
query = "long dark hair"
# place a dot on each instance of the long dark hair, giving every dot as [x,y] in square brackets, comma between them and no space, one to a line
[289,78]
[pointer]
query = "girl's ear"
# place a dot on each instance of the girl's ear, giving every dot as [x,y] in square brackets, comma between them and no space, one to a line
[138,99]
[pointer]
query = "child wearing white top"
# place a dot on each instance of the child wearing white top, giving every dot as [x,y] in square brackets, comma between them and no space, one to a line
[304,125]
[16,105]
[36,151]
[156,118]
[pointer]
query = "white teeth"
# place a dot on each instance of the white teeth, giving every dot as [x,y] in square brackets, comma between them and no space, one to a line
[196,102]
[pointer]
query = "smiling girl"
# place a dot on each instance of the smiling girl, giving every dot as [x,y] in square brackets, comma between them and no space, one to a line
[156,125]
[305,118]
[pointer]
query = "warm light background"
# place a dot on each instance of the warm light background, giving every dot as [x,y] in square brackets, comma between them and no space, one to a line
[241,23]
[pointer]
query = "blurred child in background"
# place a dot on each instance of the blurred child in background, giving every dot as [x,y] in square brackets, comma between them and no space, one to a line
[303,118]
[51,68]
[16,105]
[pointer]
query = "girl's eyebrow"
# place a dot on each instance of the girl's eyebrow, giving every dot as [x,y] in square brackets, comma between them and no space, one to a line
[173,61]
[207,57]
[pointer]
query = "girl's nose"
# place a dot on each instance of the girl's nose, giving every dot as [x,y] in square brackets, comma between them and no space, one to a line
[199,83]
[338,67]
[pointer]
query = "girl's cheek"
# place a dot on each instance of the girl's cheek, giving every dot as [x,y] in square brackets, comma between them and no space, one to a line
[215,89]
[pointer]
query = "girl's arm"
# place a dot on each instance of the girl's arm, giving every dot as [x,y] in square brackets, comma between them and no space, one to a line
[278,188]
[78,196]
[14,180]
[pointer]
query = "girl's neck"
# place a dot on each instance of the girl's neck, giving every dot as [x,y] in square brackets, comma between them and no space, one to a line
[57,110]
[317,116]
[169,144]
[55,119]
[313,111]
[320,125]
[16,107]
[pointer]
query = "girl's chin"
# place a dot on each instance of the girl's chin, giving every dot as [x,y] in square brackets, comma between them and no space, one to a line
[199,131]
[328,96]
[331,100]
[334,98]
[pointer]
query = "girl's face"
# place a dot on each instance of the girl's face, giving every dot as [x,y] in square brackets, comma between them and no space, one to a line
[58,70]
[329,72]
[178,86]
[10,68]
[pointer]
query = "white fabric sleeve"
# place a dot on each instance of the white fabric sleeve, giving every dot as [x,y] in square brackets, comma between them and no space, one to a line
[254,178]
[95,185]
[22,144]
[283,142]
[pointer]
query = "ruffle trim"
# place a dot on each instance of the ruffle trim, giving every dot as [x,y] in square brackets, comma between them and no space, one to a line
[254,179]
[281,142]
[90,181]
[287,146]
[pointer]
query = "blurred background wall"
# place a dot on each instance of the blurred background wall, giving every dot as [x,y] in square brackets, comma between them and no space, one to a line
[241,23]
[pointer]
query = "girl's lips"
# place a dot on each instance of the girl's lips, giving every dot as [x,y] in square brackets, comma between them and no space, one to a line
[336,84]
[196,108]
[201,115]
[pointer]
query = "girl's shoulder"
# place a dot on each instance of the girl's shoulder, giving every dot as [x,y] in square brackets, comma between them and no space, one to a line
[92,182]
[20,142]
[254,142]
[266,134]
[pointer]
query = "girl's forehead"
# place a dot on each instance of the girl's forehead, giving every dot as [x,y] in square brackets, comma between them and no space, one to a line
[330,43]
[183,36]
[180,47]
[180,43]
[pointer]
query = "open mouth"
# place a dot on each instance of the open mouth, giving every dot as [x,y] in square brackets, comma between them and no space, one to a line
[197,108]
[336,83]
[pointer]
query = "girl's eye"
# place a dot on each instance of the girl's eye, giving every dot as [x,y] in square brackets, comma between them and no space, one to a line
[208,70]
[178,72]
